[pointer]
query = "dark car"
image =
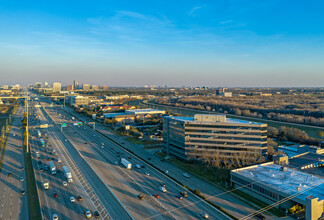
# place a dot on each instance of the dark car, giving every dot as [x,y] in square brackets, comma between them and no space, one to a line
[23,192]
[46,168]
[162,184]
[56,195]
[179,196]
[143,166]
[260,216]
[79,198]
[9,174]
[39,162]
[96,214]
[140,196]
[41,169]
[52,158]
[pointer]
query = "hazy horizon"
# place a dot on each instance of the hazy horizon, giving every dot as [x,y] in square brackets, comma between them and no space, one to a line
[192,43]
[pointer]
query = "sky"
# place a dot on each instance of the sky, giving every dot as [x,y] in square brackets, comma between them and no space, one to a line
[230,43]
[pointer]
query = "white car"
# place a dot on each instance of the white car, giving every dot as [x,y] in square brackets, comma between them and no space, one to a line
[64,183]
[163,189]
[186,175]
[72,199]
[204,215]
[147,174]
[55,217]
[88,214]
[59,160]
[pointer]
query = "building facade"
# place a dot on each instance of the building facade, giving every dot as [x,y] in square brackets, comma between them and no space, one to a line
[76,84]
[86,87]
[78,100]
[192,137]
[69,87]
[57,87]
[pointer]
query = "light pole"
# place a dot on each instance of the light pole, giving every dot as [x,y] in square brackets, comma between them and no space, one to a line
[27,144]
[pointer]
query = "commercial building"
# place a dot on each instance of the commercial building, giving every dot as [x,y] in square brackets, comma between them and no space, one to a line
[150,111]
[95,87]
[104,87]
[86,87]
[76,84]
[57,87]
[78,100]
[37,85]
[192,137]
[282,187]
[120,117]
[69,87]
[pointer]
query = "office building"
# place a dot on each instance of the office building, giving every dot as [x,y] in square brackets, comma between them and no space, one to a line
[46,84]
[283,187]
[37,85]
[69,87]
[86,87]
[57,87]
[76,84]
[95,87]
[195,137]
[78,100]
[104,87]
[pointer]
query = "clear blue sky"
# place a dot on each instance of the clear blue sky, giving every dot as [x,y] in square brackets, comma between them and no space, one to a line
[175,43]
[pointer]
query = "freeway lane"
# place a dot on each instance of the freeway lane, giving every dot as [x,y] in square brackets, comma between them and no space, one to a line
[187,208]
[13,204]
[62,205]
[115,210]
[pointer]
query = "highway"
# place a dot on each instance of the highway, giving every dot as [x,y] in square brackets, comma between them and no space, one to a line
[100,196]
[229,202]
[132,182]
[14,205]
[62,206]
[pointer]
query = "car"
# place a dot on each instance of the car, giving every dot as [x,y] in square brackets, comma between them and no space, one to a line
[186,175]
[88,214]
[72,199]
[46,168]
[259,216]
[65,183]
[96,214]
[147,174]
[184,194]
[22,192]
[55,217]
[79,198]
[130,158]
[53,158]
[55,195]
[167,171]
[162,189]
[140,196]
[14,135]
[143,166]
[204,215]
[102,144]
[59,160]
[162,184]
[39,162]
[48,159]
[21,179]
[179,196]
[157,196]
[65,139]
[102,147]
[122,143]
[9,174]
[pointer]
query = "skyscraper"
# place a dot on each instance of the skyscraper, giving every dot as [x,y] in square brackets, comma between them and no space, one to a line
[76,84]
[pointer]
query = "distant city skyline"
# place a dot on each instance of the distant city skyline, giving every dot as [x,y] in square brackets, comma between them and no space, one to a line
[193,43]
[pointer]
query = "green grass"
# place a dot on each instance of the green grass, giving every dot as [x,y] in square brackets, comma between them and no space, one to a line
[33,200]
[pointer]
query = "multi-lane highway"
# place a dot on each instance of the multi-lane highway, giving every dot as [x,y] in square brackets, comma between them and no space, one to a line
[100,196]
[127,184]
[13,204]
[62,206]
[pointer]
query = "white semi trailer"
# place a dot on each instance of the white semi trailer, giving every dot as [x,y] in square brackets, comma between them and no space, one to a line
[127,164]
[67,174]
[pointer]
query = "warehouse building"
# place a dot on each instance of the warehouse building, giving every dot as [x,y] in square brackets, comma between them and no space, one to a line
[191,137]
[282,187]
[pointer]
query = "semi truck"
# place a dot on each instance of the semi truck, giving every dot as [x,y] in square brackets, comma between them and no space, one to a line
[127,164]
[52,167]
[67,174]
[46,185]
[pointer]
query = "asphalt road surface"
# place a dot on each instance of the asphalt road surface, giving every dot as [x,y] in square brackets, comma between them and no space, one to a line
[13,205]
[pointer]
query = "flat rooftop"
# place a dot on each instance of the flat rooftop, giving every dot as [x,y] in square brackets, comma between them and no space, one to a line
[145,111]
[228,120]
[287,182]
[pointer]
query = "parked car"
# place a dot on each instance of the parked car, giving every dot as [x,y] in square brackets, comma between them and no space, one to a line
[88,214]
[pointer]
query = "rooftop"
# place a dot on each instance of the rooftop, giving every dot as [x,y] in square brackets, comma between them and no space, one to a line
[289,182]
[228,120]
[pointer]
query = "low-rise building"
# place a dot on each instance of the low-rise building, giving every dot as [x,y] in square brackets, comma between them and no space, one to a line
[282,187]
[78,100]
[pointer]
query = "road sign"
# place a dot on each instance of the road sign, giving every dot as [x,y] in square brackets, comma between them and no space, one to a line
[63,125]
